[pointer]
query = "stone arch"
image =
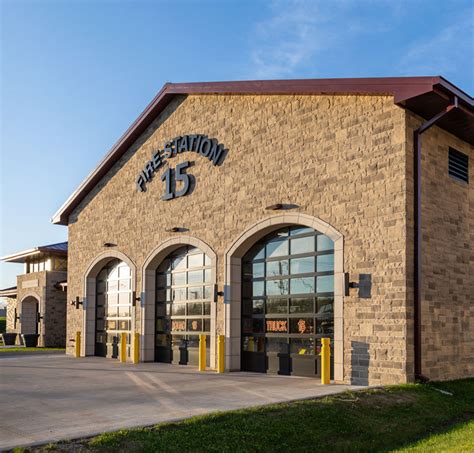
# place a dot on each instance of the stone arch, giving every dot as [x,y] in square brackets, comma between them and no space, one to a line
[30,294]
[90,283]
[148,296]
[233,271]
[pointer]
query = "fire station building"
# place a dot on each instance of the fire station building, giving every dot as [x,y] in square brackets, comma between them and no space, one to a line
[277,213]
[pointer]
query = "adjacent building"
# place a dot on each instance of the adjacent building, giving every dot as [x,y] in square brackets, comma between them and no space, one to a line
[277,213]
[37,305]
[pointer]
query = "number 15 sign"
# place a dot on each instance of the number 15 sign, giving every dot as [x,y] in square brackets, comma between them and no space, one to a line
[197,143]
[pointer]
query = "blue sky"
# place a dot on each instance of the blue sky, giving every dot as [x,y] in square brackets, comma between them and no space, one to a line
[75,74]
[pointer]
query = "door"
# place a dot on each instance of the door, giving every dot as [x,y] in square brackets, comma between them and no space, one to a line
[113,309]
[287,302]
[183,306]
[29,316]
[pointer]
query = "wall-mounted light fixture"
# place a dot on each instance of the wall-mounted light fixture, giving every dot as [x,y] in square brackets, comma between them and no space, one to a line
[109,244]
[281,206]
[135,298]
[275,207]
[176,230]
[217,293]
[364,285]
[77,302]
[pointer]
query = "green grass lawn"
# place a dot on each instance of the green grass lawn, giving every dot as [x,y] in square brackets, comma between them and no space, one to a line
[458,439]
[398,417]
[23,349]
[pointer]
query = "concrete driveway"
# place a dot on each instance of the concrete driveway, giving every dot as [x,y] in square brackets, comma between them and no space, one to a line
[52,398]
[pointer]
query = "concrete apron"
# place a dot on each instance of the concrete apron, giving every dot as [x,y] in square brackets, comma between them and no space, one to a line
[52,398]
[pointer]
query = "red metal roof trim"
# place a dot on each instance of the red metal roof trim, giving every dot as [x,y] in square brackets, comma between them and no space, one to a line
[402,89]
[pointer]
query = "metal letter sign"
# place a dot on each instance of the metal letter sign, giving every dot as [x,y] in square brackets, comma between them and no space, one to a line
[197,143]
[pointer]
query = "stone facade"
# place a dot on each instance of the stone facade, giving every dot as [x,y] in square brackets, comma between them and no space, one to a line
[11,305]
[39,288]
[343,161]
[340,159]
[447,309]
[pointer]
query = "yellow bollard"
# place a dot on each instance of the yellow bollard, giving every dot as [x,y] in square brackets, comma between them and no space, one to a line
[325,361]
[220,354]
[77,352]
[123,347]
[136,347]
[251,344]
[202,352]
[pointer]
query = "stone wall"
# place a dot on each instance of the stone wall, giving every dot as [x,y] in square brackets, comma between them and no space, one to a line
[31,285]
[11,305]
[447,312]
[338,158]
[55,310]
[52,306]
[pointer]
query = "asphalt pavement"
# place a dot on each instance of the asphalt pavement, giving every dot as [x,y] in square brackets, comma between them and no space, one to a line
[49,398]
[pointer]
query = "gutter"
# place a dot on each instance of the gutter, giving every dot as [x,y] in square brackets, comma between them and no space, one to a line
[418,234]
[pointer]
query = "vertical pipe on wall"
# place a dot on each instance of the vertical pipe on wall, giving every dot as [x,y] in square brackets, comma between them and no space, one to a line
[417,283]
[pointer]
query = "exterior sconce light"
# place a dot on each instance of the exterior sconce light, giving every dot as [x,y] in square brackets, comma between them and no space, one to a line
[176,230]
[281,206]
[109,244]
[77,302]
[217,293]
[275,207]
[135,298]
[364,285]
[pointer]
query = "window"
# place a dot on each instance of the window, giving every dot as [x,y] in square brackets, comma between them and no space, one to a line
[288,292]
[60,264]
[183,299]
[113,306]
[458,165]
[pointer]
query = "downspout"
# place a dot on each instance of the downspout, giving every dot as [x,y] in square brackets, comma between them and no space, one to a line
[418,235]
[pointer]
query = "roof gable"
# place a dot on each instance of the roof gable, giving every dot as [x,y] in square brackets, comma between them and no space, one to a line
[425,96]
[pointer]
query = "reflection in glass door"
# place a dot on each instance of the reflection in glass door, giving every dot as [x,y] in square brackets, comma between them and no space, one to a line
[183,306]
[113,308]
[287,301]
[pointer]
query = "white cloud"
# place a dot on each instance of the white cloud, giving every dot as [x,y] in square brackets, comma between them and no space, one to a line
[447,53]
[302,36]
[293,34]
[298,30]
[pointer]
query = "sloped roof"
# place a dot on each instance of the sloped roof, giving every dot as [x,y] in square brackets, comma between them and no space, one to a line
[8,292]
[59,248]
[425,96]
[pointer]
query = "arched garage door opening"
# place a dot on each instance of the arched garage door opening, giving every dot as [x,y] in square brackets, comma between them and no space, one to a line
[110,281]
[183,306]
[157,298]
[113,308]
[287,301]
[235,256]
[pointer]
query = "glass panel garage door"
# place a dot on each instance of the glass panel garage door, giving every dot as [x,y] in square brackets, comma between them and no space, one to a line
[183,306]
[113,308]
[287,302]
